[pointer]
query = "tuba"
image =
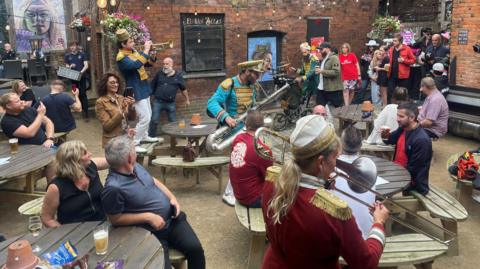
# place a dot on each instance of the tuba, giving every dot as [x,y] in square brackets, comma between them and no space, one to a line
[223,137]
[361,176]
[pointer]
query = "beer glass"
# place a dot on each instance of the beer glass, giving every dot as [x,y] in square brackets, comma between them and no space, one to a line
[181,124]
[387,67]
[34,227]
[100,236]
[13,145]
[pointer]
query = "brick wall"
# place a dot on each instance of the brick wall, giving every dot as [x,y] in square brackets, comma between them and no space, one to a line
[350,21]
[466,15]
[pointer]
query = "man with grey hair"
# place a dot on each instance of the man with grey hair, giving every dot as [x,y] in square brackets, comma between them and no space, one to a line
[131,196]
[433,114]
[351,143]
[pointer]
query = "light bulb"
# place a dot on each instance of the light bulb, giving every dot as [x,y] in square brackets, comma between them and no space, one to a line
[89,38]
[102,3]
[270,27]
[7,27]
[196,13]
[148,7]
[299,17]
[309,4]
[199,40]
[273,11]
[238,14]
[238,35]
[113,3]
[334,2]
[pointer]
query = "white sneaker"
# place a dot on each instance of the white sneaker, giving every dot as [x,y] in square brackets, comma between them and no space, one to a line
[229,199]
[139,149]
[149,139]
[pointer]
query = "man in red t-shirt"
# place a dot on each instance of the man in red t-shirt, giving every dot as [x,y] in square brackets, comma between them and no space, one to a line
[247,169]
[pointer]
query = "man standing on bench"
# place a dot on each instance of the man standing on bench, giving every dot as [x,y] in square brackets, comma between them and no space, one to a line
[247,170]
[413,147]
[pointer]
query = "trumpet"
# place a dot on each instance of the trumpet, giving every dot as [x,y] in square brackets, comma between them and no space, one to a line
[158,46]
[360,175]
[223,136]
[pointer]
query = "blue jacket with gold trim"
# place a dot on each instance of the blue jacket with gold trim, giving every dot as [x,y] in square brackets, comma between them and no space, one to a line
[230,99]
[131,65]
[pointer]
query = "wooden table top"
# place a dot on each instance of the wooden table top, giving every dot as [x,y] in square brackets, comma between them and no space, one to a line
[199,162]
[190,131]
[354,113]
[137,246]
[452,159]
[398,177]
[28,158]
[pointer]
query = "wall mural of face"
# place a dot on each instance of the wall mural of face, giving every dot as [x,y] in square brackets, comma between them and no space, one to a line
[37,18]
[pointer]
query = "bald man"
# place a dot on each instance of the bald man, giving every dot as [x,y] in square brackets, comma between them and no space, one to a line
[324,112]
[165,85]
[437,53]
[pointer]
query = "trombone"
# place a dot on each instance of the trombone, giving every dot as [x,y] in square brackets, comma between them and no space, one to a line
[158,46]
[358,177]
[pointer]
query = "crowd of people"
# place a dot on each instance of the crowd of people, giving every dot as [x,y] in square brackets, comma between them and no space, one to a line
[304,209]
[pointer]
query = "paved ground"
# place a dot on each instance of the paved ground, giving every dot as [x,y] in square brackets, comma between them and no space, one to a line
[225,241]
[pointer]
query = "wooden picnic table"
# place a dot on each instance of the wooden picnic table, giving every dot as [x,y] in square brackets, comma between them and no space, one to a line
[398,177]
[137,246]
[191,132]
[28,160]
[353,113]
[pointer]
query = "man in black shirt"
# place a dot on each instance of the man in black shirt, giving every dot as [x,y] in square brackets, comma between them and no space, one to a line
[77,60]
[165,85]
[437,53]
[7,54]
[29,125]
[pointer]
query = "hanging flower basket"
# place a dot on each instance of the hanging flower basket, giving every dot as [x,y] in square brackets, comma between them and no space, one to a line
[80,23]
[134,25]
[384,27]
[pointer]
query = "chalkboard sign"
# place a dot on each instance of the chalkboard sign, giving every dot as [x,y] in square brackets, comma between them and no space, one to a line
[462,37]
[203,42]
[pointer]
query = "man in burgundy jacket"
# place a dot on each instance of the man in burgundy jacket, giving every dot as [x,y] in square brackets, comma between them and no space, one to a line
[247,169]
[401,57]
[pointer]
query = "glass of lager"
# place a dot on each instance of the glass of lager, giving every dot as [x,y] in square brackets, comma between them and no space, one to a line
[13,145]
[100,236]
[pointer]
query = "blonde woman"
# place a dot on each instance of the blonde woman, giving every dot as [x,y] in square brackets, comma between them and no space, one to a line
[350,72]
[307,225]
[26,94]
[75,193]
[377,58]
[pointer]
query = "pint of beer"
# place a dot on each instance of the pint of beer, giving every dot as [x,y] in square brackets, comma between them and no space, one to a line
[13,145]
[387,67]
[100,236]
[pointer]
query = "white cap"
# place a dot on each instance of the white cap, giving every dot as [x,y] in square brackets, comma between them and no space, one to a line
[312,134]
[438,67]
[372,43]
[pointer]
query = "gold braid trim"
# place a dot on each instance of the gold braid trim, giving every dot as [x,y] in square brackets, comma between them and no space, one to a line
[272,173]
[331,204]
[317,145]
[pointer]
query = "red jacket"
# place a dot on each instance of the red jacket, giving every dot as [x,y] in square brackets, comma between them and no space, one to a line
[408,59]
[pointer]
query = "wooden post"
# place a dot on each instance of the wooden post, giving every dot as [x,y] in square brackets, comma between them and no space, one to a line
[29,183]
[453,227]
[257,249]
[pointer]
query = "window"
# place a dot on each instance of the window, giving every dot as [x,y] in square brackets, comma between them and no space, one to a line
[203,42]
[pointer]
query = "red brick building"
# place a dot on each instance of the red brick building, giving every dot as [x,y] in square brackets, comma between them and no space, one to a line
[226,29]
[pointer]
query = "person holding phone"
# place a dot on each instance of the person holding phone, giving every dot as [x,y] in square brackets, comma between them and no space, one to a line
[113,109]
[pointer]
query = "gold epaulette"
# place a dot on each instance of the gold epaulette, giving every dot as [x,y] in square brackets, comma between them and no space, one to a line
[331,204]
[272,173]
[226,84]
[120,56]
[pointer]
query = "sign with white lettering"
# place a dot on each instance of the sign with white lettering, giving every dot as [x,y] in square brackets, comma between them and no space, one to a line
[463,37]
[202,19]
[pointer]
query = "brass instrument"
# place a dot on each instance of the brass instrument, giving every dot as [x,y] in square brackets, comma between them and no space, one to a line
[223,136]
[158,46]
[360,177]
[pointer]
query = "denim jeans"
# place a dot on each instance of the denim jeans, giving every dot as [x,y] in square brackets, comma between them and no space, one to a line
[376,98]
[180,235]
[157,107]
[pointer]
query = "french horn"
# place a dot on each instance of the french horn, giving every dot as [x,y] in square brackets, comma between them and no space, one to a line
[360,175]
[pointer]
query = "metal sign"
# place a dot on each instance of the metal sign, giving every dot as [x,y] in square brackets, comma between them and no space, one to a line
[462,37]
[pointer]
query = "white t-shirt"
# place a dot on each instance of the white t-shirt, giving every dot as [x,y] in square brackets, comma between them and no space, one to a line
[361,213]
[387,117]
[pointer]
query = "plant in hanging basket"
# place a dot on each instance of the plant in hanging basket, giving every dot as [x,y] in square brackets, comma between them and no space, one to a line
[81,22]
[134,25]
[384,27]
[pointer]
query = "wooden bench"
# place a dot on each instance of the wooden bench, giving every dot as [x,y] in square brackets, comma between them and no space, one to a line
[31,208]
[443,206]
[177,259]
[382,151]
[252,220]
[149,153]
[213,164]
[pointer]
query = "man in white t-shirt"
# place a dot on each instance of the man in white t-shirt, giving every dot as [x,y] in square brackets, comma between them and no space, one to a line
[351,144]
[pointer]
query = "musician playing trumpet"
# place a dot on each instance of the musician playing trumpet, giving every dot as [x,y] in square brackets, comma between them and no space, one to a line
[307,225]
[132,66]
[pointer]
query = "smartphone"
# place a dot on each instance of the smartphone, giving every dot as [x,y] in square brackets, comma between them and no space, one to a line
[174,211]
[128,92]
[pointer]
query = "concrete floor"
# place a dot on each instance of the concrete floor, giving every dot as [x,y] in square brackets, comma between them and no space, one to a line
[225,242]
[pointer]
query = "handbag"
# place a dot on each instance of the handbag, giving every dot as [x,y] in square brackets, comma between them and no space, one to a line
[189,153]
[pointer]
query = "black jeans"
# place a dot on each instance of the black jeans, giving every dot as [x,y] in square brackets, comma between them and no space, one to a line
[180,235]
[82,87]
[334,98]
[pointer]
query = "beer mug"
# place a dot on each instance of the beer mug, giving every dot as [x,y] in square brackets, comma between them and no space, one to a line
[100,236]
[387,67]
[13,145]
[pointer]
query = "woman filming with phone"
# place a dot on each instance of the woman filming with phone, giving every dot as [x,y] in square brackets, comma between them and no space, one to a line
[112,109]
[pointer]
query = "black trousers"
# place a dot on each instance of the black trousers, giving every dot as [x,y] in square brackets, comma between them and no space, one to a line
[180,235]
[82,87]
[334,98]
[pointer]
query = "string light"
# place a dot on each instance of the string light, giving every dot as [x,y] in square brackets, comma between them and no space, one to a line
[102,3]
[196,13]
[89,38]
[7,27]
[309,4]
[113,3]
[299,17]
[270,26]
[198,38]
[148,7]
[334,2]
[238,35]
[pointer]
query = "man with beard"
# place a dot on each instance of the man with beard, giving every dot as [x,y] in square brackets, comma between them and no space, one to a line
[165,85]
[330,84]
[413,147]
[234,96]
